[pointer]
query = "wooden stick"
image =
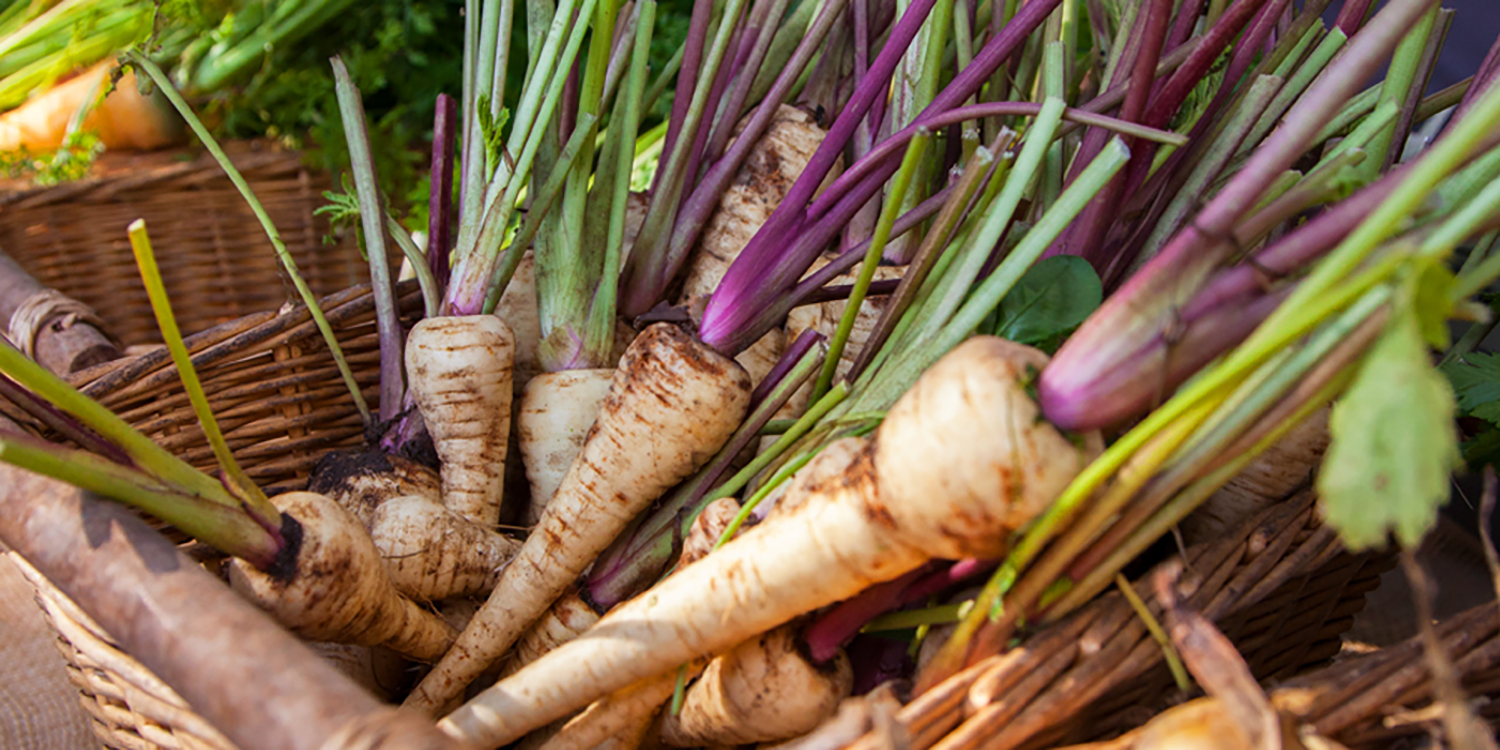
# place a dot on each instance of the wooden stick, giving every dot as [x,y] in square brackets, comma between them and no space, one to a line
[238,670]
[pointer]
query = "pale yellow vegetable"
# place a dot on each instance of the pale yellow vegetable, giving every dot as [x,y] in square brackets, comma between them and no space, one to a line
[763,690]
[557,409]
[459,369]
[433,553]
[673,403]
[361,481]
[337,589]
[125,120]
[961,461]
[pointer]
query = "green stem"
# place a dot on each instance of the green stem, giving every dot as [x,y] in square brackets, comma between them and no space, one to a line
[895,201]
[147,455]
[367,188]
[308,300]
[239,483]
[225,528]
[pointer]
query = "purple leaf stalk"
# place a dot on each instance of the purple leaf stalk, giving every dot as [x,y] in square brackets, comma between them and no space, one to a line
[789,242]
[440,201]
[1120,360]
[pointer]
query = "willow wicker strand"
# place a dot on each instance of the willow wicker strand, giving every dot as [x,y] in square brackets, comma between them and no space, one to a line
[1280,586]
[130,707]
[215,260]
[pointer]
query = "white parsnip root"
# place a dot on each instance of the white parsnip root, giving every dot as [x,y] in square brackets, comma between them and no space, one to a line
[557,409]
[673,403]
[962,459]
[763,690]
[338,590]
[360,482]
[460,374]
[568,617]
[433,553]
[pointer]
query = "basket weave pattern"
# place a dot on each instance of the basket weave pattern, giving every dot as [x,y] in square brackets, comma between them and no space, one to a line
[1281,587]
[131,709]
[215,260]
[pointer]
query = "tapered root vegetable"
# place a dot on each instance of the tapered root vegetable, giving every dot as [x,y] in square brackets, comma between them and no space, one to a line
[360,482]
[1270,478]
[763,690]
[460,370]
[433,553]
[557,409]
[623,718]
[568,617]
[962,460]
[761,183]
[337,589]
[706,530]
[672,404]
[124,120]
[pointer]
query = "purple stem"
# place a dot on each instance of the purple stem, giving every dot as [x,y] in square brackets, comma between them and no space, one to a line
[1131,318]
[1187,20]
[697,156]
[752,54]
[1352,16]
[1081,237]
[648,272]
[61,422]
[1145,196]
[440,201]
[839,626]
[1108,258]
[788,360]
[842,291]
[1482,79]
[770,264]
[687,77]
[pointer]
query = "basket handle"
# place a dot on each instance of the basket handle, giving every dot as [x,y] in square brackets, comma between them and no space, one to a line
[60,333]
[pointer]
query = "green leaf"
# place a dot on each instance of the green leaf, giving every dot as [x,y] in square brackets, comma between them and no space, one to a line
[1052,297]
[1475,378]
[1432,297]
[1393,443]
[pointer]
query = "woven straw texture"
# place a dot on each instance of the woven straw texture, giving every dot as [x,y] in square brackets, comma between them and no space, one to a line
[271,382]
[1281,587]
[131,709]
[214,256]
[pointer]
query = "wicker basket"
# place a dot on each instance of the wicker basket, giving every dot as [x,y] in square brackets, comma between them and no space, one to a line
[215,260]
[1282,588]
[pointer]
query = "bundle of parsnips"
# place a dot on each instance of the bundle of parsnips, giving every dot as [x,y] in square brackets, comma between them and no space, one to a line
[800,386]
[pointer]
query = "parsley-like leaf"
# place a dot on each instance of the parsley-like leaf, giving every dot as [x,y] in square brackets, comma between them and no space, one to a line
[1393,443]
[1476,381]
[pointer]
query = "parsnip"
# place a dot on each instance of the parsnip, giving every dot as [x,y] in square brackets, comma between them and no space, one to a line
[460,373]
[433,553]
[764,690]
[621,719]
[961,461]
[361,481]
[557,409]
[338,589]
[672,404]
[706,530]
[568,617]
[1268,479]
[761,183]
